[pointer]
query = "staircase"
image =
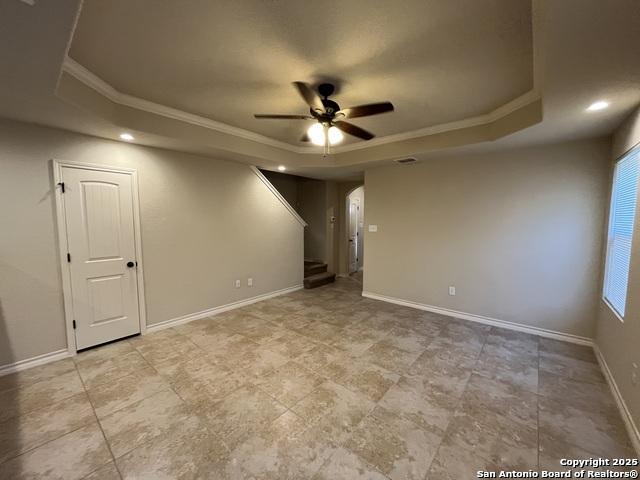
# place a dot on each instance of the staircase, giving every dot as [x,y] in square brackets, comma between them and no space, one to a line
[316,275]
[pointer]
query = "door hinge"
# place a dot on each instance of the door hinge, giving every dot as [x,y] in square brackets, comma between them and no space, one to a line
[69,257]
[61,186]
[74,324]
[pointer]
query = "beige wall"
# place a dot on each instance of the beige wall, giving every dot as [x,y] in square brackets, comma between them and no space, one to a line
[331,227]
[287,186]
[204,222]
[518,233]
[312,207]
[620,342]
[313,201]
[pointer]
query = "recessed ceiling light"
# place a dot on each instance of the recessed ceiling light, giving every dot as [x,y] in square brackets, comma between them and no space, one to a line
[599,105]
[126,137]
[282,168]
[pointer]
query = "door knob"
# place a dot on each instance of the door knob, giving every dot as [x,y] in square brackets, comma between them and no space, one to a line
[130,264]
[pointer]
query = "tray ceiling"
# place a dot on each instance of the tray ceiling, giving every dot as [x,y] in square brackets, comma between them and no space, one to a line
[437,61]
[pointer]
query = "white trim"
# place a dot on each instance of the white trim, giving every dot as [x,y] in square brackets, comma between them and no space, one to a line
[275,191]
[65,267]
[90,79]
[65,271]
[66,353]
[216,310]
[632,429]
[605,300]
[500,112]
[34,362]
[542,332]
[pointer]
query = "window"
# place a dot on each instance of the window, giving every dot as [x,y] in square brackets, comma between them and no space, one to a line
[621,217]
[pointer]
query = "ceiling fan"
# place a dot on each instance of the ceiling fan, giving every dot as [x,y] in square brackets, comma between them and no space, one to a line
[330,124]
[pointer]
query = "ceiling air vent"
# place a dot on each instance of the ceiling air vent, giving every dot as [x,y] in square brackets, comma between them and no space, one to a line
[406,161]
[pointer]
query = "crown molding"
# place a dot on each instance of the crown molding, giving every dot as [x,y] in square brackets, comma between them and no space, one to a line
[87,77]
[502,111]
[90,79]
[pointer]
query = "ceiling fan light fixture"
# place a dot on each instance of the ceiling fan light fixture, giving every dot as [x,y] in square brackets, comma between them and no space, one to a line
[335,136]
[316,134]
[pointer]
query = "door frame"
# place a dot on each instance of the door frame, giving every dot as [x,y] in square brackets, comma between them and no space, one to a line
[357,235]
[345,238]
[65,266]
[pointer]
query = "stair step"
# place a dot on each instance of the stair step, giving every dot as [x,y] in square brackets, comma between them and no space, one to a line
[314,268]
[319,279]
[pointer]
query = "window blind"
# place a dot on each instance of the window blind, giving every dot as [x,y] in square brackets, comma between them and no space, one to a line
[621,219]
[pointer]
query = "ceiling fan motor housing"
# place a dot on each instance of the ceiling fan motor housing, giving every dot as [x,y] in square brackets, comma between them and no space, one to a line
[329,114]
[331,107]
[326,89]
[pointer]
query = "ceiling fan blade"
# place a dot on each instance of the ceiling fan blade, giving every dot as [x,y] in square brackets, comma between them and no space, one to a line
[367,110]
[283,117]
[310,96]
[351,129]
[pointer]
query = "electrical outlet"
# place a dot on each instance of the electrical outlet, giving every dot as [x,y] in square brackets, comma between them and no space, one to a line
[635,376]
[373,228]
[249,282]
[452,290]
[237,283]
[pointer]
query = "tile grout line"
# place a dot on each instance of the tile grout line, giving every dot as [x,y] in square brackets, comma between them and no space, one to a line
[45,443]
[169,388]
[36,410]
[350,433]
[466,385]
[411,421]
[104,436]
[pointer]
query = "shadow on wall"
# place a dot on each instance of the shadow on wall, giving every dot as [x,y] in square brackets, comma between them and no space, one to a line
[19,390]
[10,439]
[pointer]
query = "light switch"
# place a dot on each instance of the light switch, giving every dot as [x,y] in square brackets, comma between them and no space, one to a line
[373,228]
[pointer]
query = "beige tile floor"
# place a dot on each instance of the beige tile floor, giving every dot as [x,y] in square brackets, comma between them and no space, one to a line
[319,384]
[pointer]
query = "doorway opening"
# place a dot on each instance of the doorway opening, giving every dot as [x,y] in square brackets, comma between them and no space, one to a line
[355,232]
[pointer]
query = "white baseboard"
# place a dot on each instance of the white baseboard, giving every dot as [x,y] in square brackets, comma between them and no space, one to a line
[34,362]
[494,322]
[215,310]
[60,354]
[632,429]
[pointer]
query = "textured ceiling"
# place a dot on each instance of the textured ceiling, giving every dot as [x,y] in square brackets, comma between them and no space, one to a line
[437,61]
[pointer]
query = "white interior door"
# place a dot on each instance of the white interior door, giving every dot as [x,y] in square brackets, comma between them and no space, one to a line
[102,251]
[354,211]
